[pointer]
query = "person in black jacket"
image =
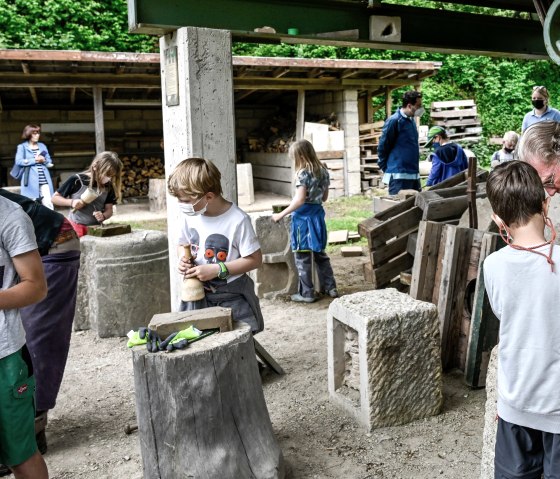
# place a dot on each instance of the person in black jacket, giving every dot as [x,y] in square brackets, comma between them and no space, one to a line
[48,324]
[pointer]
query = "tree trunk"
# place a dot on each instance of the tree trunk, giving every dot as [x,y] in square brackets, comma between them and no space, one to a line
[201,411]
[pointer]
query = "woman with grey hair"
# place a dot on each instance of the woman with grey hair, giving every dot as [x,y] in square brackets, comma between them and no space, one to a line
[541,110]
[540,147]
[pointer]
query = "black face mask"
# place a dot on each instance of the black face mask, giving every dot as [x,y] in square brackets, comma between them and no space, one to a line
[538,104]
[508,150]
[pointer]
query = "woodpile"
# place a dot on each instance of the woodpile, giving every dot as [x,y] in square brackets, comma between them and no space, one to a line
[370,133]
[137,172]
[459,118]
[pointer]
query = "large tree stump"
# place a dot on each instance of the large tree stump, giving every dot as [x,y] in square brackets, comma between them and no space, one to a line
[201,411]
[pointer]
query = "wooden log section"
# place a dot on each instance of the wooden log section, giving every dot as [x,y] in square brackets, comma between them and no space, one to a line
[201,411]
[157,190]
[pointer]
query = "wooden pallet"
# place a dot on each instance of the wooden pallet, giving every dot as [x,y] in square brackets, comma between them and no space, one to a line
[389,232]
[459,118]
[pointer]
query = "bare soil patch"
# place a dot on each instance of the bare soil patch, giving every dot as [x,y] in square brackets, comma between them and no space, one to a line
[86,429]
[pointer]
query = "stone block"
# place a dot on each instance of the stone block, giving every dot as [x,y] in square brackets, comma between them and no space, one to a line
[490,422]
[384,365]
[277,275]
[245,189]
[123,282]
[206,318]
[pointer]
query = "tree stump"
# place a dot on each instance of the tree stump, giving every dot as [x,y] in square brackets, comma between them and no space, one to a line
[201,411]
[157,191]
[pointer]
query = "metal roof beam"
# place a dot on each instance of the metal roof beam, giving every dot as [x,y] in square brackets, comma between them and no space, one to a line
[422,29]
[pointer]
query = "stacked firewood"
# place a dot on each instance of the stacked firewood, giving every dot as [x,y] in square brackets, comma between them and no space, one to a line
[277,132]
[137,172]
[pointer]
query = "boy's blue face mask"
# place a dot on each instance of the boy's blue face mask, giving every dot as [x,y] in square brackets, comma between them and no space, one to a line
[436,145]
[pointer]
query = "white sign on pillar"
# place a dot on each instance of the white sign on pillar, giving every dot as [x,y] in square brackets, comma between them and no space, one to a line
[198,115]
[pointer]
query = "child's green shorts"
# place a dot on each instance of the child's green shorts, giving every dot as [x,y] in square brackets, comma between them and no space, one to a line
[17,411]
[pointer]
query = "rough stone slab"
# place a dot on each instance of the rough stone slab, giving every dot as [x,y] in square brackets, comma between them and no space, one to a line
[112,229]
[207,318]
[490,423]
[389,341]
[123,282]
[277,275]
[245,188]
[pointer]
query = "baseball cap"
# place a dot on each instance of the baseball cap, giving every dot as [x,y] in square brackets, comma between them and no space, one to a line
[432,132]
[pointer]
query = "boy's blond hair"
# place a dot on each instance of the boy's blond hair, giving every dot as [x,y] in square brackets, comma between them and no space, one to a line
[195,177]
[511,137]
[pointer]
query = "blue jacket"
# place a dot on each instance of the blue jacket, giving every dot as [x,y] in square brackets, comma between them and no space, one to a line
[448,160]
[26,157]
[398,150]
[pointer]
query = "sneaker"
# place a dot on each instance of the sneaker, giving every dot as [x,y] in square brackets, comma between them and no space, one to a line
[298,298]
[333,293]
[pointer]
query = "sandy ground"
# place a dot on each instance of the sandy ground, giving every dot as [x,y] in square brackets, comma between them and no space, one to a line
[86,429]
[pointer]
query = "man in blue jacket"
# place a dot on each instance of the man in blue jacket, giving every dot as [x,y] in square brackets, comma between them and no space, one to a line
[398,151]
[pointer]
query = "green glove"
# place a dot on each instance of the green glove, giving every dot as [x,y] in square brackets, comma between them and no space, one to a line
[134,339]
[181,339]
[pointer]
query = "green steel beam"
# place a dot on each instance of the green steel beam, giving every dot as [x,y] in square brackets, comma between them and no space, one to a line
[421,29]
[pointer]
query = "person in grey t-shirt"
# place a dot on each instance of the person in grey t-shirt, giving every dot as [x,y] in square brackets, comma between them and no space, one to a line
[22,282]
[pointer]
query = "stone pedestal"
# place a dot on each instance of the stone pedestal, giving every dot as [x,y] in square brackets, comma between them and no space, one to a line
[278,275]
[490,422]
[123,282]
[384,363]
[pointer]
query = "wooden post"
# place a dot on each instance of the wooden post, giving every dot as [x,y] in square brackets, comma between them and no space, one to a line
[201,411]
[98,115]
[388,102]
[300,121]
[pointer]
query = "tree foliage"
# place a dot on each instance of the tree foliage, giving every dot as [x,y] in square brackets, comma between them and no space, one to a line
[501,87]
[97,25]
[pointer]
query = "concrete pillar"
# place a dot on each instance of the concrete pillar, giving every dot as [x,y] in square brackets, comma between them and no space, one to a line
[198,114]
[384,353]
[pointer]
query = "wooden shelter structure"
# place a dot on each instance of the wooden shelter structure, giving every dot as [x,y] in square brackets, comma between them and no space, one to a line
[90,93]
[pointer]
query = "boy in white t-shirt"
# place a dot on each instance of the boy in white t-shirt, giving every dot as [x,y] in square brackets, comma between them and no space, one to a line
[22,283]
[223,242]
[523,281]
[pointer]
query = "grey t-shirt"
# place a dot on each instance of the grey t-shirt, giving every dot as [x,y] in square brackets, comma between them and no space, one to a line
[16,237]
[315,184]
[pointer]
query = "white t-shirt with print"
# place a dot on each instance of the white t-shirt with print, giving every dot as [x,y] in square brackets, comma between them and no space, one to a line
[224,238]
[17,236]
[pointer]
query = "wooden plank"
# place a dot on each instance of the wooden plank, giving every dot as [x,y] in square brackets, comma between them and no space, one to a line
[457,241]
[388,251]
[328,155]
[395,210]
[412,238]
[466,113]
[339,236]
[383,275]
[425,260]
[406,278]
[269,159]
[98,116]
[452,123]
[278,187]
[272,173]
[462,312]
[351,251]
[371,126]
[452,104]
[484,324]
[266,358]
[400,225]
